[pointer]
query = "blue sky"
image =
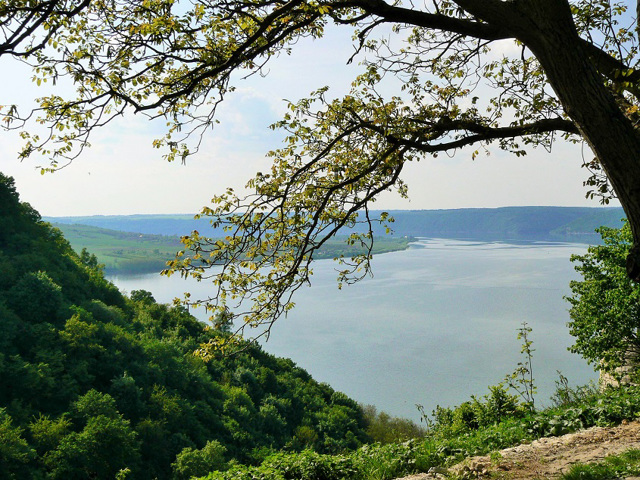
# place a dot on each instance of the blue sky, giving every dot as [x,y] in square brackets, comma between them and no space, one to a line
[122,174]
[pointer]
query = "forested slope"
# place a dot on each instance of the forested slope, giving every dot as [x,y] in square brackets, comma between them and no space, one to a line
[94,384]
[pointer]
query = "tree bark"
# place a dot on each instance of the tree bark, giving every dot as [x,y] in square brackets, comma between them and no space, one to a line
[547,28]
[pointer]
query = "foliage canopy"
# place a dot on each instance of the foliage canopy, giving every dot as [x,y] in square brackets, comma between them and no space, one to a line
[473,73]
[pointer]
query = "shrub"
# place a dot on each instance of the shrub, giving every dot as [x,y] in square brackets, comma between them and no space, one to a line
[191,462]
[309,465]
[36,298]
[383,428]
[383,462]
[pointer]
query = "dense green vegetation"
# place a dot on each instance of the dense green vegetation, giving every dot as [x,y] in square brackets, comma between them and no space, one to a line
[97,385]
[516,223]
[132,252]
[605,304]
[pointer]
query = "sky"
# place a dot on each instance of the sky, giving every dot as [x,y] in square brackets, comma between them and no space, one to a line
[122,174]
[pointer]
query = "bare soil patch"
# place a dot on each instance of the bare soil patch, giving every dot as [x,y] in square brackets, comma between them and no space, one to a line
[548,458]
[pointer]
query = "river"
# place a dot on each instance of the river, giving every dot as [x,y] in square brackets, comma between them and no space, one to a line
[436,323]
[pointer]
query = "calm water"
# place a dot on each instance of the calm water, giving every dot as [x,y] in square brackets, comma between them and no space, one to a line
[436,324]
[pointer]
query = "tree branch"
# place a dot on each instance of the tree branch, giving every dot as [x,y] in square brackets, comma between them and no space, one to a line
[479,132]
[38,15]
[612,68]
[436,21]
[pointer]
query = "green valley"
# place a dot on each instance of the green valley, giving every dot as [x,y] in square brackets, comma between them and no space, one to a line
[123,252]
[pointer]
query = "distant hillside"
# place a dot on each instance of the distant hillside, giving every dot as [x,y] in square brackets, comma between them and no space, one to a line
[124,252]
[576,224]
[172,225]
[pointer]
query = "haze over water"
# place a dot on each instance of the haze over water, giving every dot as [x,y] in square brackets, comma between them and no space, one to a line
[436,324]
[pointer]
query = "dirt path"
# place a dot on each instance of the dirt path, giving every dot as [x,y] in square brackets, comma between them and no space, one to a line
[548,458]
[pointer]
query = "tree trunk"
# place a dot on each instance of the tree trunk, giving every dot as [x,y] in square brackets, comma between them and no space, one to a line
[547,28]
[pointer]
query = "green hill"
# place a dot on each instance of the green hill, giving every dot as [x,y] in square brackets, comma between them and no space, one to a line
[122,252]
[97,385]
